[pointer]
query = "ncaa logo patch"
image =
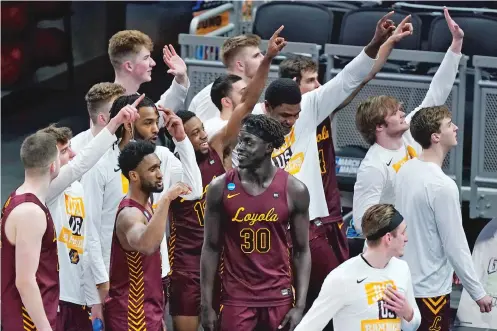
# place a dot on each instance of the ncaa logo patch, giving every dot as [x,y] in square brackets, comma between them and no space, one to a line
[231,186]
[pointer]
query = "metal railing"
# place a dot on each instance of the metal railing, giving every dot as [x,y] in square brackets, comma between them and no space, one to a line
[483,201]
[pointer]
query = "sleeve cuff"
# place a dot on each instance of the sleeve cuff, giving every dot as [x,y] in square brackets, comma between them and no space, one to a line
[107,135]
[177,85]
[180,143]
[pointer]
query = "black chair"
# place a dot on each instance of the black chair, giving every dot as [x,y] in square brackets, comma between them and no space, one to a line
[304,22]
[478,32]
[358,27]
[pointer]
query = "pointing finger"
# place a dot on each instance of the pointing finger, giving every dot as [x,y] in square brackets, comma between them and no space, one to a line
[386,17]
[137,101]
[277,32]
[405,20]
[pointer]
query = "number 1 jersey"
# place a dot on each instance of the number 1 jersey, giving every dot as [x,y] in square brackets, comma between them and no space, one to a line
[257,269]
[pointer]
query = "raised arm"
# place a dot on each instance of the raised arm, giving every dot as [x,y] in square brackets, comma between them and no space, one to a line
[403,30]
[298,197]
[142,236]
[324,100]
[211,250]
[174,98]
[226,137]
[30,226]
[186,168]
[90,155]
[444,78]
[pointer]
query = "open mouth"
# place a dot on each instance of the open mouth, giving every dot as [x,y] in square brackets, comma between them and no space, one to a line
[204,145]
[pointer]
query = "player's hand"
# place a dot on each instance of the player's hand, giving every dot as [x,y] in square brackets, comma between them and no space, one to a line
[97,311]
[396,301]
[177,66]
[403,30]
[485,304]
[208,318]
[294,316]
[455,30]
[176,190]
[129,113]
[173,124]
[384,29]
[276,43]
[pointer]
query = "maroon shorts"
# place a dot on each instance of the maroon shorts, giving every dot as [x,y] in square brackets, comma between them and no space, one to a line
[73,317]
[253,318]
[184,293]
[324,258]
[435,313]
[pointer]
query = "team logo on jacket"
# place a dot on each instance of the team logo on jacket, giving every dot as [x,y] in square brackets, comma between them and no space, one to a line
[72,236]
[284,158]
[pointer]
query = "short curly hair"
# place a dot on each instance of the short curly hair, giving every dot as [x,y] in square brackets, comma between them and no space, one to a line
[232,46]
[125,43]
[271,128]
[125,100]
[61,134]
[99,96]
[132,154]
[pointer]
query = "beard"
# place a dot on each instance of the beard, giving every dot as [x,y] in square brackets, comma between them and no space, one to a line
[150,187]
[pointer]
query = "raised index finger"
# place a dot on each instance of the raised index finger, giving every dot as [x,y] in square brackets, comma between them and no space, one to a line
[405,20]
[277,32]
[386,17]
[137,101]
[447,15]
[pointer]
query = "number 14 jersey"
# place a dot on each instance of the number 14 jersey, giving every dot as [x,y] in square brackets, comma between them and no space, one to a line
[257,269]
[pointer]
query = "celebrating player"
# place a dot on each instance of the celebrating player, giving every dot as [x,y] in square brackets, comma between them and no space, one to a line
[372,291]
[247,215]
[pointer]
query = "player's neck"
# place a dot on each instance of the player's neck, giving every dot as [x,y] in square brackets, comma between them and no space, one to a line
[377,257]
[389,142]
[139,196]
[38,185]
[435,154]
[226,113]
[95,129]
[239,74]
[130,85]
[259,175]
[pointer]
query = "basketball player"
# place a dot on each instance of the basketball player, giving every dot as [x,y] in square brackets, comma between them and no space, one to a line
[372,291]
[248,212]
[485,262]
[106,185]
[30,280]
[99,99]
[129,53]
[136,299]
[429,200]
[304,71]
[65,202]
[187,217]
[242,56]
[383,124]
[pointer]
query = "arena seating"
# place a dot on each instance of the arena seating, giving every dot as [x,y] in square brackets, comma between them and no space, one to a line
[408,82]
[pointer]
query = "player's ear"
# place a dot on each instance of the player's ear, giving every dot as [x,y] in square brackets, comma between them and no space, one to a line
[127,66]
[133,175]
[267,106]
[435,138]
[269,148]
[127,127]
[226,102]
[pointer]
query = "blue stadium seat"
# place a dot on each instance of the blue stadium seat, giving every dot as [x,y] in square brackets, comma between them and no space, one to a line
[358,27]
[304,22]
[479,38]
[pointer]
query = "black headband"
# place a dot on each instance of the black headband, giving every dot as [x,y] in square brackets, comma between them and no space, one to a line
[394,223]
[259,132]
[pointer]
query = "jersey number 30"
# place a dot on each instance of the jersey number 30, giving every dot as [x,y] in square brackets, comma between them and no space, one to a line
[259,240]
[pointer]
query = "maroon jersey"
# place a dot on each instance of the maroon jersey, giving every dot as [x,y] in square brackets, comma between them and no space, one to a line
[136,298]
[14,315]
[187,220]
[328,172]
[256,255]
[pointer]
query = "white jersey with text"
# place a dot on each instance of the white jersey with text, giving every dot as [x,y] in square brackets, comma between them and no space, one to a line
[352,295]
[299,154]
